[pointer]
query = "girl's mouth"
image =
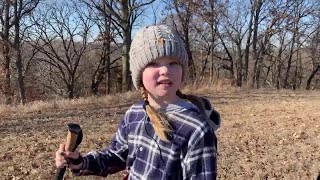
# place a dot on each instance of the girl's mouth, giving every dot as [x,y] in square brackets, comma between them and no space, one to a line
[165,82]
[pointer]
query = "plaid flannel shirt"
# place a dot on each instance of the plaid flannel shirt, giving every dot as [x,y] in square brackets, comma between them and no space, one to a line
[190,153]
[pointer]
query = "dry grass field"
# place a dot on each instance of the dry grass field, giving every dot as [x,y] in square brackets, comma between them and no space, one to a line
[265,134]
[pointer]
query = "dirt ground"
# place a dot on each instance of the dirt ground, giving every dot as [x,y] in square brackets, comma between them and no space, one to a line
[265,134]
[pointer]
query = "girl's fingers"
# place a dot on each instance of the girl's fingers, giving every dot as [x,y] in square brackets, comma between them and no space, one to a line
[72,155]
[60,162]
[60,158]
[60,150]
[63,157]
[61,147]
[63,154]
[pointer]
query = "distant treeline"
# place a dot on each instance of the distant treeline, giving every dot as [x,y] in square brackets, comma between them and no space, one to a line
[80,47]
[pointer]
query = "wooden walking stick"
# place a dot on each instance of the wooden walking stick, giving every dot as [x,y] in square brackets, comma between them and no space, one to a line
[74,138]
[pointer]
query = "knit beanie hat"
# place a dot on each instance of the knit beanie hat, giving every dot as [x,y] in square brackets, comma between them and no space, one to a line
[154,42]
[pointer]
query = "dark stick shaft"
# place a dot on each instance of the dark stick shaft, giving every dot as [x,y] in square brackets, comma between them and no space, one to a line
[60,173]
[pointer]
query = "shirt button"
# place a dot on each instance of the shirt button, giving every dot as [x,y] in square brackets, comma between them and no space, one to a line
[141,149]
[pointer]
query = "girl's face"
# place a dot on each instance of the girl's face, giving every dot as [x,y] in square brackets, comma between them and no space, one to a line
[162,78]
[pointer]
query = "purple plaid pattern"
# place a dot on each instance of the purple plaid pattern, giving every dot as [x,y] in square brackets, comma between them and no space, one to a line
[190,154]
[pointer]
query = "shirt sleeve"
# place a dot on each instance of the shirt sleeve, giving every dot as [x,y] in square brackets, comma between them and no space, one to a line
[200,162]
[109,160]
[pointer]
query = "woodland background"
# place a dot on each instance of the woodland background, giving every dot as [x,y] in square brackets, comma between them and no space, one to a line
[257,61]
[78,48]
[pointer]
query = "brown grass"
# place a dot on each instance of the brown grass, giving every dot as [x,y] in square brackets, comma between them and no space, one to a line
[265,134]
[65,104]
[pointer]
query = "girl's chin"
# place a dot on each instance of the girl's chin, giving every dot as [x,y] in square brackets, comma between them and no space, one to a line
[163,95]
[166,95]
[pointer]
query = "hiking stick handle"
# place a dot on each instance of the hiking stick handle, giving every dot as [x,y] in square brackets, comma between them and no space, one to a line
[74,138]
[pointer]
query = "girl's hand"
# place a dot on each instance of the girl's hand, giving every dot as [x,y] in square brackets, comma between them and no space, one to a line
[72,160]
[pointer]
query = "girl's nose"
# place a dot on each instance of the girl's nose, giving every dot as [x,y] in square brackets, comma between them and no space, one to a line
[164,70]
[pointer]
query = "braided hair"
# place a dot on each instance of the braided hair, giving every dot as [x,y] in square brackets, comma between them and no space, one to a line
[160,123]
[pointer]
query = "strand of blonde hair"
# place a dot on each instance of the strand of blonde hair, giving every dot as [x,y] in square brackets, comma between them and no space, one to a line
[160,124]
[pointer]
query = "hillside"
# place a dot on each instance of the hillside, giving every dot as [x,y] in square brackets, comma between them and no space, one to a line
[265,134]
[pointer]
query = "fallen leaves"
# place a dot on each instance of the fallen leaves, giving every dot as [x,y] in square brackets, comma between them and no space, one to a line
[269,135]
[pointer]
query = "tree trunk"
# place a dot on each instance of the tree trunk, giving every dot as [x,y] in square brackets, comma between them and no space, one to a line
[21,87]
[119,81]
[94,88]
[239,66]
[108,70]
[104,71]
[312,76]
[300,72]
[5,64]
[247,50]
[211,70]
[192,72]
[267,74]
[258,5]
[285,85]
[230,59]
[278,82]
[258,71]
[213,28]
[126,82]
[107,23]
[70,89]
[279,62]
[5,68]
[296,73]
[108,75]
[17,41]
[125,60]
[295,38]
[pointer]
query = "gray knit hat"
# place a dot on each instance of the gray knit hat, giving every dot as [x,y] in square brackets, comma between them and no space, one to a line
[154,42]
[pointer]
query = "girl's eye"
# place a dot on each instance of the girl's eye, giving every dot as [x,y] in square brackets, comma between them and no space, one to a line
[174,63]
[152,64]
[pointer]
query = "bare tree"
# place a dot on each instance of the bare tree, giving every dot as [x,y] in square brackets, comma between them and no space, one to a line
[315,53]
[208,22]
[263,46]
[22,8]
[312,76]
[248,42]
[232,31]
[12,15]
[270,34]
[184,11]
[107,45]
[123,14]
[257,5]
[64,32]
[300,10]
[103,68]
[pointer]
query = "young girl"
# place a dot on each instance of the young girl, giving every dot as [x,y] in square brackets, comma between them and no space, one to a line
[167,135]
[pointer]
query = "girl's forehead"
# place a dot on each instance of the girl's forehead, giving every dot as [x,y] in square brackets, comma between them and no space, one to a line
[170,59]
